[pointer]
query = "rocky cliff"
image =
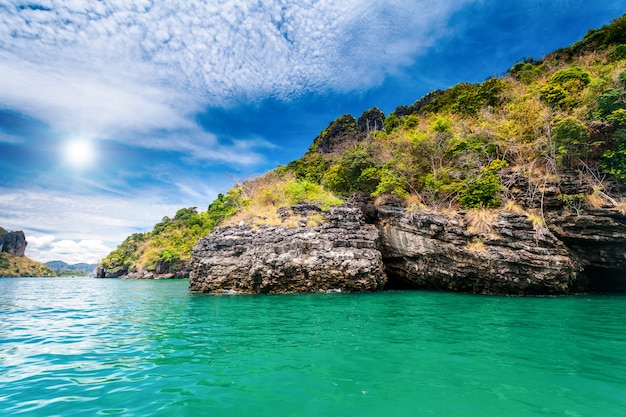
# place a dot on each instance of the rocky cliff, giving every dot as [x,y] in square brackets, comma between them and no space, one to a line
[361,247]
[340,255]
[13,243]
[509,255]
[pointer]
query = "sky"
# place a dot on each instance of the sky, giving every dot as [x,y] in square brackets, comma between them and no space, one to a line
[116,113]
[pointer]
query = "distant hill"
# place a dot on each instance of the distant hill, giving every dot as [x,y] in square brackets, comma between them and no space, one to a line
[22,266]
[63,268]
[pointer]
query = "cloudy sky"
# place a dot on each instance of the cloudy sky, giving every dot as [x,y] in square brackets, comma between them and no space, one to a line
[115,113]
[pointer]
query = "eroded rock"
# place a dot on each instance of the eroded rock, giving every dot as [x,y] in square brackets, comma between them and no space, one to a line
[433,250]
[342,254]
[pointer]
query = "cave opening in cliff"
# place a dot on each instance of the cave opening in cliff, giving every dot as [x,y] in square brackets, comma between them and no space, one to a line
[606,280]
[397,282]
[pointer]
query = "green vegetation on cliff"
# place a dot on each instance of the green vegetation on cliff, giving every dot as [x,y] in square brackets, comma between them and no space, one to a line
[566,111]
[169,244]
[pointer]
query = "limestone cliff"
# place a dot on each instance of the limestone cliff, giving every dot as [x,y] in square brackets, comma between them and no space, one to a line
[13,262]
[340,255]
[433,250]
[13,243]
[569,250]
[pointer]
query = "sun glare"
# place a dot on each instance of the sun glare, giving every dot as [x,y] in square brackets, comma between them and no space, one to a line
[79,153]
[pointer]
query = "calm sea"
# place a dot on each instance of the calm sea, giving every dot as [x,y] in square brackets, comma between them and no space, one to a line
[87,347]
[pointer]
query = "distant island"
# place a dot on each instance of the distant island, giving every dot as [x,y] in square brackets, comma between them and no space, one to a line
[14,263]
[64,269]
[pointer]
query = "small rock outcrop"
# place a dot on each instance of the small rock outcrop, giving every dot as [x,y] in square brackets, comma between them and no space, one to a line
[340,255]
[162,270]
[12,242]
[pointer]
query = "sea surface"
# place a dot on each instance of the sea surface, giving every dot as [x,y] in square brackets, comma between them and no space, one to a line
[89,347]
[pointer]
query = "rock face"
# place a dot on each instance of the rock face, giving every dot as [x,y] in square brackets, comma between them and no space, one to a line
[597,236]
[572,248]
[162,271]
[341,254]
[12,242]
[436,251]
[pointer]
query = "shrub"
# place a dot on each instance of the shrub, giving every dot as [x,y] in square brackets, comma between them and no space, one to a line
[335,179]
[390,183]
[302,191]
[564,87]
[525,71]
[612,99]
[482,190]
[392,122]
[619,52]
[570,141]
[441,124]
[310,167]
[574,201]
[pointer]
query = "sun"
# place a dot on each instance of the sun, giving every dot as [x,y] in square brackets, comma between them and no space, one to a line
[79,153]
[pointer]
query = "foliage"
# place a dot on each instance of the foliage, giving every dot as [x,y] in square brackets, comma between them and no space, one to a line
[570,141]
[612,99]
[391,184]
[171,240]
[311,167]
[441,124]
[526,71]
[574,201]
[466,98]
[391,122]
[482,191]
[614,159]
[598,39]
[354,171]
[618,53]
[308,192]
[565,86]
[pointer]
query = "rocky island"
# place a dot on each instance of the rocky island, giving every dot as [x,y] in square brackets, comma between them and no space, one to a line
[13,262]
[511,186]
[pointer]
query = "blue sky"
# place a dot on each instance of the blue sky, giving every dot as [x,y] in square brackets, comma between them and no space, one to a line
[170,101]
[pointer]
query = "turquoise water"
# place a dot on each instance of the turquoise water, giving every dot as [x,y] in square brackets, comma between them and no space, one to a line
[82,347]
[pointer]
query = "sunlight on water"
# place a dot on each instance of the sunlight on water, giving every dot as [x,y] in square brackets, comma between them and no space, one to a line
[77,347]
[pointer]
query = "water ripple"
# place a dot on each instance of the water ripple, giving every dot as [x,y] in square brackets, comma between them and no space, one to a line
[71,347]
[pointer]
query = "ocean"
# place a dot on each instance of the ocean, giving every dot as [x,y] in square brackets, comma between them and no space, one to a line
[88,347]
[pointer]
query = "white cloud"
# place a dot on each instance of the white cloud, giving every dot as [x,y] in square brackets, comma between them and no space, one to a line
[140,71]
[46,248]
[106,68]
[12,139]
[85,227]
